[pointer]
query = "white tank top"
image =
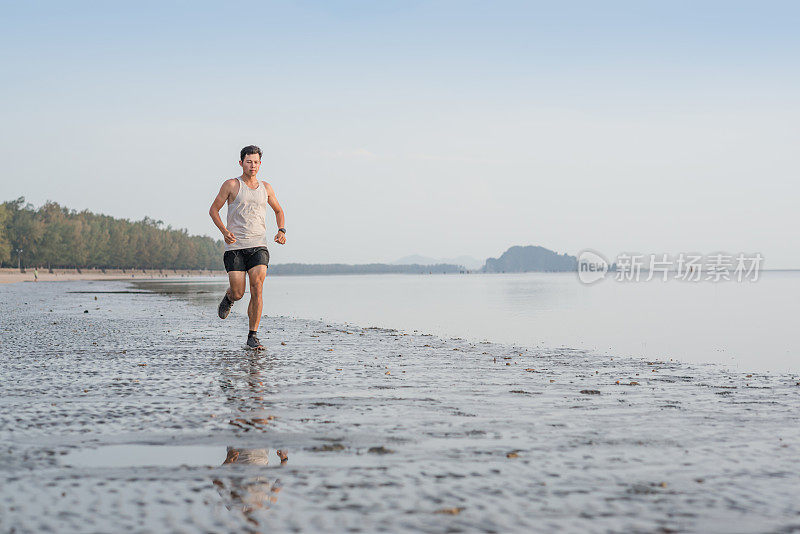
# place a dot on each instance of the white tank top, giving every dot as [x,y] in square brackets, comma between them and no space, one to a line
[247,217]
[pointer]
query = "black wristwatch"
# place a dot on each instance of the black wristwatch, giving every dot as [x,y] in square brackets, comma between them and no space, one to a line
[282,230]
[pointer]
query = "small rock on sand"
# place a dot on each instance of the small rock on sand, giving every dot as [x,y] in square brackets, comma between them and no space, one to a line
[449,511]
[380,450]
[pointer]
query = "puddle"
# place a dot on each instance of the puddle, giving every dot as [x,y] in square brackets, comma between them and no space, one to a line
[147,456]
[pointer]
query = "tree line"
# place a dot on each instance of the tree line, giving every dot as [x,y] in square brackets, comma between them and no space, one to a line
[55,236]
[365,268]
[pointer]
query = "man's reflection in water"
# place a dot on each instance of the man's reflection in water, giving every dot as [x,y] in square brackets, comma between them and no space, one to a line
[252,456]
[243,382]
[249,494]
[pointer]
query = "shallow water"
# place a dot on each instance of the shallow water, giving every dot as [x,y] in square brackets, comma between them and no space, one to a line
[145,456]
[145,414]
[749,326]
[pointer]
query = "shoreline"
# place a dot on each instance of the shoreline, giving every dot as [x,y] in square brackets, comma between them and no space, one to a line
[13,275]
[551,310]
[10,275]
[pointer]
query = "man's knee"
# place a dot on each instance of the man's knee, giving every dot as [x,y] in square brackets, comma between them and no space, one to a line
[255,290]
[235,293]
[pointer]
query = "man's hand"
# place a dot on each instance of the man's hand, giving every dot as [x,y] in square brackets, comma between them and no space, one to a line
[280,238]
[229,237]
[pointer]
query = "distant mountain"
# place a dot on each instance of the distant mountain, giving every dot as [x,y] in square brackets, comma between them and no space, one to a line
[415,259]
[531,258]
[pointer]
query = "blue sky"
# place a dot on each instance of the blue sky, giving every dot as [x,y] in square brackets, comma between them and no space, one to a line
[437,128]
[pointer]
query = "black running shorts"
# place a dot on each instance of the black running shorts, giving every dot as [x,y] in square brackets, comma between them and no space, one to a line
[244,259]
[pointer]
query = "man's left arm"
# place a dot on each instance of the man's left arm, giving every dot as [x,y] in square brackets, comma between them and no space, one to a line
[272,200]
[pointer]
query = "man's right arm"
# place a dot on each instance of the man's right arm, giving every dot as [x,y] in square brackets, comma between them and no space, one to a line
[213,211]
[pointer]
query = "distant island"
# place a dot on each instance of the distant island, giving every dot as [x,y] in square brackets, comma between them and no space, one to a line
[531,258]
[516,259]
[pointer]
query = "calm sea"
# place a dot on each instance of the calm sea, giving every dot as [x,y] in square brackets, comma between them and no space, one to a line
[744,325]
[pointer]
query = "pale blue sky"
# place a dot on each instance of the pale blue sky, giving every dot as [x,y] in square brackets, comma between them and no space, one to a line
[437,128]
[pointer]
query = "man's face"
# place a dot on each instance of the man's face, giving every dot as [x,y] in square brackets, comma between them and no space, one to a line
[251,164]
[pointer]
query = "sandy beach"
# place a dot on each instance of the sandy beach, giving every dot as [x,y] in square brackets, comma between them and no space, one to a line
[124,409]
[10,276]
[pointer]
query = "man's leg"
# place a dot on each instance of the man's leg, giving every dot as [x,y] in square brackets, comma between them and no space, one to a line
[235,291]
[257,275]
[236,281]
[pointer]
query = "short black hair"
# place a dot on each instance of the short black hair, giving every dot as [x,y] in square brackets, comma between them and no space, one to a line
[252,149]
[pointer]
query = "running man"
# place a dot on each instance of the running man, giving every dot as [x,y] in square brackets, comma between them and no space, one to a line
[245,235]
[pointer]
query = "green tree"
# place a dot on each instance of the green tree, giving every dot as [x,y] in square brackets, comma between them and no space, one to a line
[59,237]
[5,243]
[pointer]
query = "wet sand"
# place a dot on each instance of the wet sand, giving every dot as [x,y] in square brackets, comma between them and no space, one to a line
[125,410]
[10,276]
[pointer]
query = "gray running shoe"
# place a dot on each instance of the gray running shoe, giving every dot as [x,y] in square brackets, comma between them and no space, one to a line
[224,307]
[254,344]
